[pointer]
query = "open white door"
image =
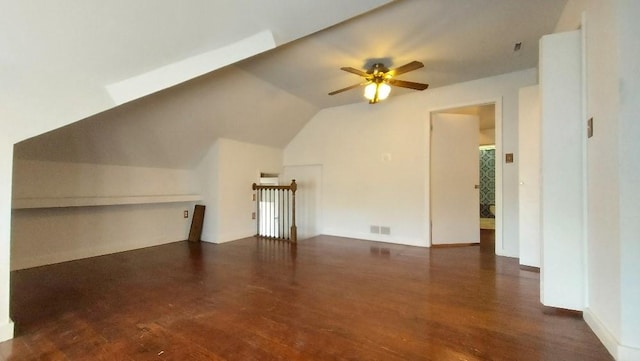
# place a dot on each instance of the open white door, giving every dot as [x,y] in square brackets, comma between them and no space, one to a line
[455,204]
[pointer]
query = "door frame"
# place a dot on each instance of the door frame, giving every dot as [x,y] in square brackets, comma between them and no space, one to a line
[499,246]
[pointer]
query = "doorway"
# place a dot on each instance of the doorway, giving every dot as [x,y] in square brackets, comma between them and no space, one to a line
[269,208]
[464,196]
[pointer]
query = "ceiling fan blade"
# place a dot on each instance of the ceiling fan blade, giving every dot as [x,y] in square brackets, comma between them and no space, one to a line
[347,88]
[407,68]
[355,71]
[408,84]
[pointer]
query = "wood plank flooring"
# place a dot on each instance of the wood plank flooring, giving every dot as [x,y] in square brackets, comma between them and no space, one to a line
[329,298]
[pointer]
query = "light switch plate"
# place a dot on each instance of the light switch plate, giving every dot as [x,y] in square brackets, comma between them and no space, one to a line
[508,158]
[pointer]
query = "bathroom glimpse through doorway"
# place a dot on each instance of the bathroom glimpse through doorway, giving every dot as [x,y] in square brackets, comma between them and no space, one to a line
[487,155]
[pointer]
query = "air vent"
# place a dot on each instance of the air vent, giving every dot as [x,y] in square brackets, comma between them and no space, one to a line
[517,46]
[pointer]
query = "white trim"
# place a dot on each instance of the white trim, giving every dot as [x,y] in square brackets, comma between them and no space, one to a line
[487,147]
[6,331]
[618,351]
[499,247]
[585,161]
[606,337]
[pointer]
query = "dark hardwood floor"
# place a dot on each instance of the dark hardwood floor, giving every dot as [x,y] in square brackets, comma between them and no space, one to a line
[329,298]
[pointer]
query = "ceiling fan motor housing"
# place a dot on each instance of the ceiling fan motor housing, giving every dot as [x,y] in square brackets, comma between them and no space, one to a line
[378,68]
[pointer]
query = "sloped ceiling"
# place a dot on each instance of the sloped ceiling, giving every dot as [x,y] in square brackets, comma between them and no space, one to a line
[175,127]
[57,59]
[268,98]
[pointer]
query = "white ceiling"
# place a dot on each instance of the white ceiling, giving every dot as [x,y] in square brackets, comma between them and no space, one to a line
[457,40]
[265,99]
[57,58]
[118,39]
[174,128]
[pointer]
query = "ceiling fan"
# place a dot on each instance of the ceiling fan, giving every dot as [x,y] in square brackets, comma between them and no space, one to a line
[379,78]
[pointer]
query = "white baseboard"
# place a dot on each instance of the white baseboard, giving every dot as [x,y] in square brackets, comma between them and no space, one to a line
[6,331]
[602,332]
[618,351]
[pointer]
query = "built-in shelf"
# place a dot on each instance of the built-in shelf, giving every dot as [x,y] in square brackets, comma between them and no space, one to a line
[63,202]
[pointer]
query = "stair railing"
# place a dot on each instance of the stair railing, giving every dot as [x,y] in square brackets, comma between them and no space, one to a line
[276,211]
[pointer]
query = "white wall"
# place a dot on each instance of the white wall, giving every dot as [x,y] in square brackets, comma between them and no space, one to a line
[208,176]
[41,179]
[614,93]
[562,278]
[529,169]
[613,170]
[375,159]
[308,197]
[227,173]
[52,235]
[49,235]
[603,232]
[629,148]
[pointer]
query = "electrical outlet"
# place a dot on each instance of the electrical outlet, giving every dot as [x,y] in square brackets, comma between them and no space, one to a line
[185,214]
[374,229]
[253,215]
[385,230]
[253,198]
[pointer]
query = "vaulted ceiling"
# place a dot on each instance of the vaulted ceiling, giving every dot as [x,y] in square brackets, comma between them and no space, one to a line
[265,99]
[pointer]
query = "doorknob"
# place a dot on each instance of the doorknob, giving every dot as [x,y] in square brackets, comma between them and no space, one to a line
[477,186]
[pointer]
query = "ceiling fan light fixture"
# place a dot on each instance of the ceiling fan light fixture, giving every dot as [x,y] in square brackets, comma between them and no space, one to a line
[379,80]
[377,91]
[370,91]
[383,91]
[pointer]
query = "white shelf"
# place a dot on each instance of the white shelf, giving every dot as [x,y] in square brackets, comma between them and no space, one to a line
[63,202]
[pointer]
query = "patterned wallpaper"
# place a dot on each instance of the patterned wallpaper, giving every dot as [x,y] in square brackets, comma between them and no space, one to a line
[487,181]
